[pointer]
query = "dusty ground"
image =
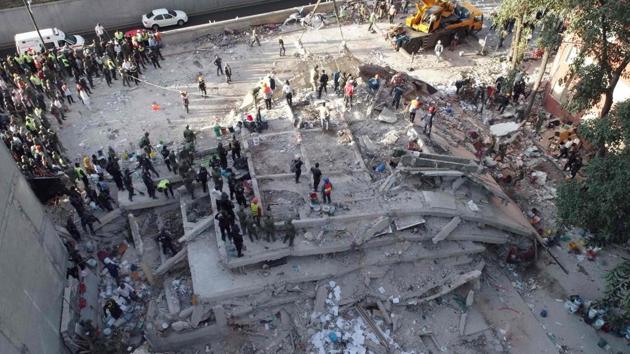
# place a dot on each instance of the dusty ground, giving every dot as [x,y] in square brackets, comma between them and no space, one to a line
[511,298]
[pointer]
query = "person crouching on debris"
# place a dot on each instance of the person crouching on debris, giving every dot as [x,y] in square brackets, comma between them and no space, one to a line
[327,190]
[374,83]
[165,187]
[127,292]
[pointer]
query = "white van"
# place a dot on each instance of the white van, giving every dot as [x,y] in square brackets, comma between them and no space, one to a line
[53,38]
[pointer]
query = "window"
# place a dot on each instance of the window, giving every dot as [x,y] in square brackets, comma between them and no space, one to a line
[159,18]
[172,13]
[167,17]
[150,14]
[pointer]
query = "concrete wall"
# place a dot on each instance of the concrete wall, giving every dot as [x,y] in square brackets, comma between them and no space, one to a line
[74,16]
[32,268]
[242,23]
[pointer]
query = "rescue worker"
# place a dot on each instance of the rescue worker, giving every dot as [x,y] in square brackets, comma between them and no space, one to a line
[269,227]
[283,50]
[414,106]
[237,238]
[189,177]
[202,177]
[255,210]
[148,182]
[165,187]
[219,65]
[290,233]
[72,229]
[228,73]
[217,179]
[296,167]
[128,184]
[201,83]
[235,147]
[439,48]
[288,93]
[317,176]
[166,240]
[397,96]
[327,188]
[323,82]
[145,143]
[254,38]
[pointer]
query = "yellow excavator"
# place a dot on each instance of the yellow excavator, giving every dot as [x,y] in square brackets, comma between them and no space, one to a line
[440,20]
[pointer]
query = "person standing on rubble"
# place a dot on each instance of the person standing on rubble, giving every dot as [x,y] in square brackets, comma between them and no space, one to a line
[166,240]
[72,229]
[267,94]
[148,182]
[372,21]
[202,177]
[314,77]
[336,76]
[323,82]
[439,48]
[88,219]
[127,292]
[255,38]
[222,155]
[398,92]
[235,147]
[189,177]
[224,226]
[201,83]
[128,182]
[414,106]
[237,238]
[269,226]
[290,233]
[392,13]
[228,73]
[317,176]
[327,189]
[218,64]
[296,167]
[242,220]
[254,207]
[288,93]
[283,50]
[348,93]
[324,116]
[429,123]
[185,101]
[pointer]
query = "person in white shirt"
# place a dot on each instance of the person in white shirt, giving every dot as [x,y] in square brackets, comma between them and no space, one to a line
[288,93]
[127,291]
[100,31]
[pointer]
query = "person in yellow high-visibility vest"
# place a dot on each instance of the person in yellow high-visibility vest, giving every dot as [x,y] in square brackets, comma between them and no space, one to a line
[256,211]
[165,187]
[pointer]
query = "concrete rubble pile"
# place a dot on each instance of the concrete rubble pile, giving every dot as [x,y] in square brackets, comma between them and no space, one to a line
[363,272]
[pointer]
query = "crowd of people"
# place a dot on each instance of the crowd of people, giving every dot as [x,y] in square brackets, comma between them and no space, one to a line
[34,85]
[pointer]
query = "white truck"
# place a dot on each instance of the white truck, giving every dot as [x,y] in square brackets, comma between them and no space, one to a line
[53,39]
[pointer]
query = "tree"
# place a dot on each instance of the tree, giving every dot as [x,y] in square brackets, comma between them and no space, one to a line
[602,29]
[549,39]
[600,202]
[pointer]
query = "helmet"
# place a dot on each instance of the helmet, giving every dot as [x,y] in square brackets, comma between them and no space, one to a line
[326,179]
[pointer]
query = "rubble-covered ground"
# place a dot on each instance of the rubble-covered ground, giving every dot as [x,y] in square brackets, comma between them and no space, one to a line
[505,315]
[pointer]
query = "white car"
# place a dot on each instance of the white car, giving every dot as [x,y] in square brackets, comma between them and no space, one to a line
[163,18]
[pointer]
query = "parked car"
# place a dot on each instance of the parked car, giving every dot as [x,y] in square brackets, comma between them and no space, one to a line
[53,39]
[163,18]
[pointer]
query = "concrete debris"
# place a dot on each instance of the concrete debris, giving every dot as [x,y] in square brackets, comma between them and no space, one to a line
[390,138]
[387,116]
[447,229]
[503,129]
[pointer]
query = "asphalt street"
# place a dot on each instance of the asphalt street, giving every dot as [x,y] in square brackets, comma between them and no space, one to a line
[200,19]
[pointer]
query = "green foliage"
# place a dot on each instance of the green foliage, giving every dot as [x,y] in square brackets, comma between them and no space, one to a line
[591,84]
[611,132]
[617,293]
[600,203]
[603,29]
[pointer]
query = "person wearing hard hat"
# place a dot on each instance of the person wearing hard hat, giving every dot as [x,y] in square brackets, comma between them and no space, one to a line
[439,48]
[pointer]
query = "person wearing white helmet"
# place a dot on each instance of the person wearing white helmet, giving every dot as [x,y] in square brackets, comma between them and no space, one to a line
[439,48]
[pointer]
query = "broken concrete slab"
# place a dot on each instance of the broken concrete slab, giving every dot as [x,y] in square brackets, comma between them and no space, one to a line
[172,301]
[387,116]
[171,262]
[376,228]
[200,313]
[447,229]
[503,129]
[440,161]
[408,222]
[153,203]
[107,218]
[135,234]
[199,227]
